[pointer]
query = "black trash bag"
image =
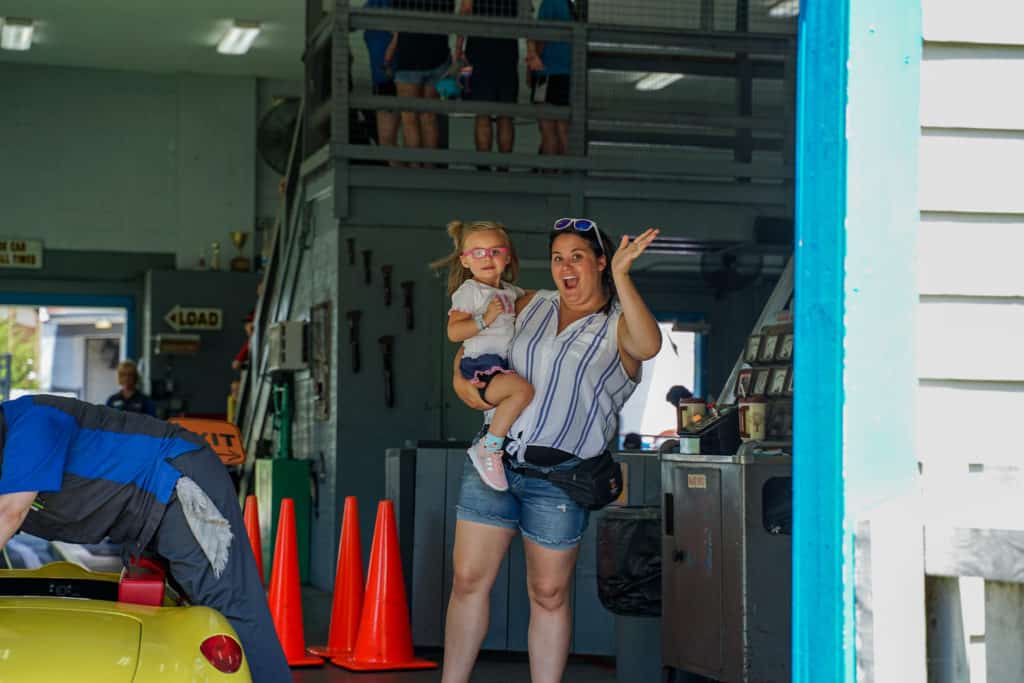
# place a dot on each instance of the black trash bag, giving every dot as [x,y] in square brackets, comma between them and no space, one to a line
[629,561]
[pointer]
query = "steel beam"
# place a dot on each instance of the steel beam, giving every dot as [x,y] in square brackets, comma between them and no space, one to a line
[645,138]
[471,25]
[607,114]
[768,43]
[452,180]
[691,65]
[525,111]
[597,164]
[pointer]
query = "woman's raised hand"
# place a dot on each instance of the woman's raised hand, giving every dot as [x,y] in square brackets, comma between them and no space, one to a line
[628,251]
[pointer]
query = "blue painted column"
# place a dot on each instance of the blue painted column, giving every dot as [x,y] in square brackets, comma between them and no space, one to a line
[856,222]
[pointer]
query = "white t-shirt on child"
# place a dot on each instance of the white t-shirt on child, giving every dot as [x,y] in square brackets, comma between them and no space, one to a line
[473,297]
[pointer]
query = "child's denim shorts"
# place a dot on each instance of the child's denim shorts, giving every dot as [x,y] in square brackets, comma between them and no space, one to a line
[544,513]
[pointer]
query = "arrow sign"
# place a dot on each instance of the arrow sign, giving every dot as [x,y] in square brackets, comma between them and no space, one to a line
[182,318]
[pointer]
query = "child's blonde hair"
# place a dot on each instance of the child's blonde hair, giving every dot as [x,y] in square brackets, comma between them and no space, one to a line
[457,273]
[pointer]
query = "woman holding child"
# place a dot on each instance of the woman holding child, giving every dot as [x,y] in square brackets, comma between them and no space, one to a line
[580,347]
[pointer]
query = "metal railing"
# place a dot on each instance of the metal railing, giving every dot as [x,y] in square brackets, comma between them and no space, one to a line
[611,135]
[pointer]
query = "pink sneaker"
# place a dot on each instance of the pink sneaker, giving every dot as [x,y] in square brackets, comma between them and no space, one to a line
[489,466]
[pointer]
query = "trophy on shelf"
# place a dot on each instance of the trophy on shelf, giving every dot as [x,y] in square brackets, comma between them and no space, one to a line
[240,263]
[214,255]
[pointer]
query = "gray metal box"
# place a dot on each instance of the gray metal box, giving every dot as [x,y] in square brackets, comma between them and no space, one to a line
[726,566]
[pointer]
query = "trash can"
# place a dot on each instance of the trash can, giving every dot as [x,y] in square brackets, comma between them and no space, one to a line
[629,586]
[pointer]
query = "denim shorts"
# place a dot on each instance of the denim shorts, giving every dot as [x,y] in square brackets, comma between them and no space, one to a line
[544,513]
[428,77]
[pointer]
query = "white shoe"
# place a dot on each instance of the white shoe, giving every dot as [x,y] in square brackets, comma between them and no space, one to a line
[489,466]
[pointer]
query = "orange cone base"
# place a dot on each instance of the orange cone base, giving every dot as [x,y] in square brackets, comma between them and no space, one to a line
[305,661]
[328,652]
[414,663]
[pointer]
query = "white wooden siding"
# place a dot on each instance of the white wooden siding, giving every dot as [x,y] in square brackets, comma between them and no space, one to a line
[972,171]
[970,254]
[973,86]
[973,21]
[970,339]
[969,323]
[961,423]
[970,320]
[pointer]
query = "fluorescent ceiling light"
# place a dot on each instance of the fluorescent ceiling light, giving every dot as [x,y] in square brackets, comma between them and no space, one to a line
[103,324]
[16,34]
[785,9]
[239,38]
[657,81]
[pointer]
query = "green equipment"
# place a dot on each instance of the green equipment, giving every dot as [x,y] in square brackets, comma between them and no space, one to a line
[283,477]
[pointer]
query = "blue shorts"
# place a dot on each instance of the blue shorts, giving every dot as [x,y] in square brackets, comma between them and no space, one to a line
[544,513]
[480,370]
[427,77]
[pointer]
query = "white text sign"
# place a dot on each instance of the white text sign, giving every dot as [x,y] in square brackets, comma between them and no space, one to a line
[21,253]
[182,318]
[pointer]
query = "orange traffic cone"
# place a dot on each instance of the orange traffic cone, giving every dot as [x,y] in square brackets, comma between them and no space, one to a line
[252,527]
[348,588]
[285,594]
[385,637]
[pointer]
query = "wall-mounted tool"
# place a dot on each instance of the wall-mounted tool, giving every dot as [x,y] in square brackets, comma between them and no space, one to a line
[385,272]
[367,259]
[351,242]
[387,348]
[353,336]
[407,288]
[320,358]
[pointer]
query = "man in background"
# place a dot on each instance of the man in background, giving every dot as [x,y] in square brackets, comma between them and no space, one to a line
[129,398]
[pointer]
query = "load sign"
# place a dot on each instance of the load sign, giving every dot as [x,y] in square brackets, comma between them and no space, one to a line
[181,318]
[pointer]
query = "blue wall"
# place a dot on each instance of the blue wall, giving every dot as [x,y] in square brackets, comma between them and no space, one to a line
[856,220]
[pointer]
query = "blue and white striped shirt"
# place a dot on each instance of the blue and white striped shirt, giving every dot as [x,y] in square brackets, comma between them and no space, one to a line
[578,379]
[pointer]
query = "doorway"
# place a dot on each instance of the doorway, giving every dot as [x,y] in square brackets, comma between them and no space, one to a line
[62,350]
[648,413]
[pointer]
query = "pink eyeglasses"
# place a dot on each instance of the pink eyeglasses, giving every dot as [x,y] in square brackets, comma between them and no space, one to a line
[481,253]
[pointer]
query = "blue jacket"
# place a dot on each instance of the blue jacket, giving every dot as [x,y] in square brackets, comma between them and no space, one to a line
[99,472]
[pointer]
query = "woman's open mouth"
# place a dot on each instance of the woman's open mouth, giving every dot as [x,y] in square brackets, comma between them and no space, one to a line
[570,282]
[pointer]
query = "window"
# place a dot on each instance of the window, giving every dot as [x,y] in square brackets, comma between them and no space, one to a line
[647,413]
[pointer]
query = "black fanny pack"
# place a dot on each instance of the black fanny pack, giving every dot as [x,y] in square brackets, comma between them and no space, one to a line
[592,484]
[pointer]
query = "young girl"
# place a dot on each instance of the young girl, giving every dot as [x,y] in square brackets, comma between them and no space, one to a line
[481,270]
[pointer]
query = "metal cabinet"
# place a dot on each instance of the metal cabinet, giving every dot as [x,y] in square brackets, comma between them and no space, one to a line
[726,562]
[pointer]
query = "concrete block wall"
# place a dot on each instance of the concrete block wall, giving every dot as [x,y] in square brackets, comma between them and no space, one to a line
[132,162]
[312,438]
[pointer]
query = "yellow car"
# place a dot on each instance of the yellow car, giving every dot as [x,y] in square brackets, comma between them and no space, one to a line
[62,622]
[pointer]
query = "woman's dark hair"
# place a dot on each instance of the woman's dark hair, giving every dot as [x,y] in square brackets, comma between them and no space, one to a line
[605,249]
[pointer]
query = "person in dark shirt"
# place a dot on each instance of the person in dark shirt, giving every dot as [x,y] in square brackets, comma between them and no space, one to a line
[77,472]
[495,76]
[129,398]
[377,42]
[551,64]
[419,61]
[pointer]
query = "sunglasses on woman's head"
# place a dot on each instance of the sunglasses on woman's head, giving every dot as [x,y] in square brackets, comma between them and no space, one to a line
[579,225]
[481,252]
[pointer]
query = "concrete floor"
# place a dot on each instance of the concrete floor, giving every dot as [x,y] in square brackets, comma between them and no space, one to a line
[492,667]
